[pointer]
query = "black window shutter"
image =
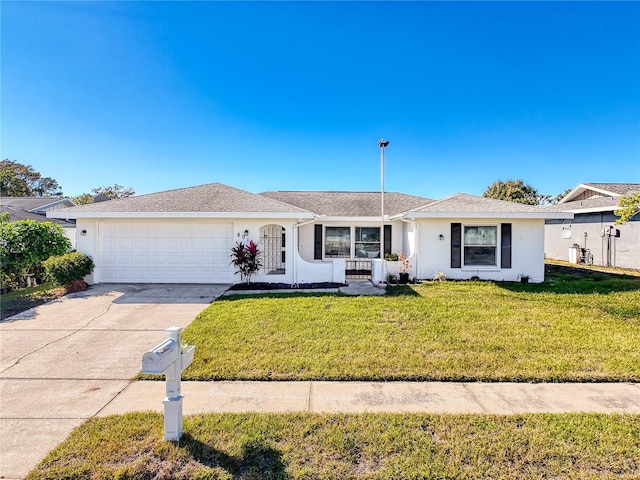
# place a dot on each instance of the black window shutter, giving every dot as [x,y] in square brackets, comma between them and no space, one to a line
[505,245]
[317,242]
[387,240]
[456,245]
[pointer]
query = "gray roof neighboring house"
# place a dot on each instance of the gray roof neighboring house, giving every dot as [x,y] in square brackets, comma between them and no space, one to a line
[585,191]
[349,204]
[36,208]
[599,204]
[614,188]
[213,200]
[462,205]
[595,197]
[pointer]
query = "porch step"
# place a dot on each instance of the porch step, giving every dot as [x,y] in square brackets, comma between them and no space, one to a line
[362,287]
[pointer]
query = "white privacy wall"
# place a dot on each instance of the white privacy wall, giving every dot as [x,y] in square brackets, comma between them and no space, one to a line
[527,250]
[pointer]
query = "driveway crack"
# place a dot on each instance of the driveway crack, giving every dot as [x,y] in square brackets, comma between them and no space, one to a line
[52,342]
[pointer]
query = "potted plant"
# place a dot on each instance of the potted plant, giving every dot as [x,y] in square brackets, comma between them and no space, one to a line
[404,268]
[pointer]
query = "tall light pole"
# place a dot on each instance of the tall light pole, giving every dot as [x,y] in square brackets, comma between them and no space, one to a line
[382,144]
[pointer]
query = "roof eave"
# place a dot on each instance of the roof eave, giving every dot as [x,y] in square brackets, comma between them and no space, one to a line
[52,204]
[584,187]
[609,208]
[519,215]
[228,215]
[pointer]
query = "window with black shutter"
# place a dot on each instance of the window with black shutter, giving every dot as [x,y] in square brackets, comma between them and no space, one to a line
[456,245]
[505,245]
[317,242]
[387,240]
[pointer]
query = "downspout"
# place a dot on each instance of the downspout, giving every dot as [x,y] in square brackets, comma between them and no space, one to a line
[416,239]
[295,246]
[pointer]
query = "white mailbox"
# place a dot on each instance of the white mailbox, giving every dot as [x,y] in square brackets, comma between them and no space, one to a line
[160,357]
[170,358]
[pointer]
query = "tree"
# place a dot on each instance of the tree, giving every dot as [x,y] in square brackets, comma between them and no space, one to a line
[83,199]
[114,191]
[18,180]
[26,243]
[515,191]
[560,196]
[629,205]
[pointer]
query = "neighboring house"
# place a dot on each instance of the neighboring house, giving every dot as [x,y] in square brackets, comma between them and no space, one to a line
[186,235]
[36,208]
[592,228]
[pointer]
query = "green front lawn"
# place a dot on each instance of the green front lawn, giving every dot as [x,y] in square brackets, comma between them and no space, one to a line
[365,446]
[573,327]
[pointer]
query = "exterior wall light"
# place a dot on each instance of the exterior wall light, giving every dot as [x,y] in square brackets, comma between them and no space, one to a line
[441,237]
[83,233]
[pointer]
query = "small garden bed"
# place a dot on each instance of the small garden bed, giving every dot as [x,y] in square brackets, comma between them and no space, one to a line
[284,286]
[17,301]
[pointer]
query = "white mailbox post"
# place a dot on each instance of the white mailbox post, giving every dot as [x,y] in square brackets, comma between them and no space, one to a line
[170,358]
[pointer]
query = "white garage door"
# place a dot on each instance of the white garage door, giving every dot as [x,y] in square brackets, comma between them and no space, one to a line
[164,252]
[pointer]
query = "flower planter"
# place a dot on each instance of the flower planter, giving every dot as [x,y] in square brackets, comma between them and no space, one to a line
[404,278]
[186,356]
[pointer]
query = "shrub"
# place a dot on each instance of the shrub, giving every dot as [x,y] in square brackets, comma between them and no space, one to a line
[26,243]
[246,259]
[66,269]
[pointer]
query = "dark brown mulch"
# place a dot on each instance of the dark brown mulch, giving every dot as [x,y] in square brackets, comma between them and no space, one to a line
[18,305]
[284,286]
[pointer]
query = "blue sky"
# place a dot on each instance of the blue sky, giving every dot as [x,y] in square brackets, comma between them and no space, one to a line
[295,95]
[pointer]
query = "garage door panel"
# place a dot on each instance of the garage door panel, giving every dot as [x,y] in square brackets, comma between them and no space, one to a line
[165,252]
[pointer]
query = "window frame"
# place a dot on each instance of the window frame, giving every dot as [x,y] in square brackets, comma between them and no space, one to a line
[496,247]
[327,255]
[358,242]
[353,242]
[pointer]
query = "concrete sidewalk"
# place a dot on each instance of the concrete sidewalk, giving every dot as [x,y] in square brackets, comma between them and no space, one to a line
[356,397]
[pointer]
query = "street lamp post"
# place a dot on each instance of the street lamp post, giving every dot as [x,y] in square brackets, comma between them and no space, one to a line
[382,144]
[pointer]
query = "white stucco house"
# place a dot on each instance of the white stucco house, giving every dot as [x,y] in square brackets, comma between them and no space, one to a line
[186,235]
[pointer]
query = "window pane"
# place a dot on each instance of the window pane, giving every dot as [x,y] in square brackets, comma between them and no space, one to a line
[367,242]
[368,234]
[479,256]
[480,235]
[337,242]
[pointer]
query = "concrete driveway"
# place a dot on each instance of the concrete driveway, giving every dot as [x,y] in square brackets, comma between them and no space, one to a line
[64,362]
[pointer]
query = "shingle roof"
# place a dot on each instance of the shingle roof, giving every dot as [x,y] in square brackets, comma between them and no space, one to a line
[209,198]
[604,204]
[615,188]
[31,208]
[462,204]
[349,204]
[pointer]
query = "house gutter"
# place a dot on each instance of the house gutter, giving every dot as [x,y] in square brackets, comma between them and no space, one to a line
[296,252]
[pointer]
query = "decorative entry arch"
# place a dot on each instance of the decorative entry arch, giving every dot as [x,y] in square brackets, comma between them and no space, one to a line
[272,238]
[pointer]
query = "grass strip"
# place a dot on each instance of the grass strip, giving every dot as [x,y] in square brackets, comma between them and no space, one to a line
[371,446]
